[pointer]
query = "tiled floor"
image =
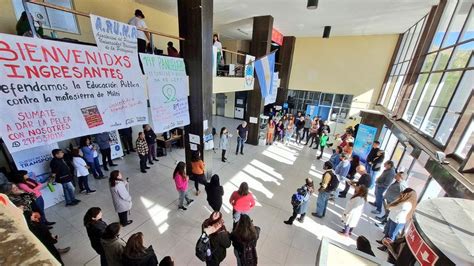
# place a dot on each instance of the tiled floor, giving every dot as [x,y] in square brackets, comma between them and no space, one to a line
[273,173]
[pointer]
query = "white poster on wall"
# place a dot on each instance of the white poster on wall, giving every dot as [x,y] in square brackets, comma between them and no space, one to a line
[115,144]
[272,95]
[249,73]
[52,91]
[168,91]
[112,35]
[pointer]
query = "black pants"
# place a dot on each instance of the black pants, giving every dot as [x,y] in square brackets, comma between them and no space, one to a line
[123,217]
[127,142]
[141,49]
[143,159]
[294,215]
[346,188]
[322,151]
[199,179]
[106,156]
[223,155]
[305,134]
[299,135]
[316,140]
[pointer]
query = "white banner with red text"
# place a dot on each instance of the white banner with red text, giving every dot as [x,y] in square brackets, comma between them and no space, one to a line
[52,91]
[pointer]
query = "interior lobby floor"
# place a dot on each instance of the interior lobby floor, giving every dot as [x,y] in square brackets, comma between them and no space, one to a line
[273,174]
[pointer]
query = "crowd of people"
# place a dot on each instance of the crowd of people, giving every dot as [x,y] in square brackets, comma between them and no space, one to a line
[394,202]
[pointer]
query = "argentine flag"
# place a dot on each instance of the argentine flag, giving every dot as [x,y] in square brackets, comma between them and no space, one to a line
[264,67]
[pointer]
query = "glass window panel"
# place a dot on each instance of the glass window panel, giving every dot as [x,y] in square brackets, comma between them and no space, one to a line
[468,31]
[432,120]
[385,89]
[465,144]
[347,102]
[397,69]
[463,91]
[443,25]
[416,38]
[433,190]
[404,69]
[447,126]
[461,55]
[429,60]
[334,114]
[417,177]
[396,89]
[344,114]
[392,71]
[390,91]
[397,154]
[338,99]
[446,88]
[327,99]
[385,139]
[457,22]
[405,163]
[392,143]
[415,95]
[382,136]
[407,44]
[442,59]
[425,99]
[401,47]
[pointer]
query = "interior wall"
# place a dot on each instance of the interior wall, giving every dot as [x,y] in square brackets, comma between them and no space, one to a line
[120,10]
[229,104]
[354,65]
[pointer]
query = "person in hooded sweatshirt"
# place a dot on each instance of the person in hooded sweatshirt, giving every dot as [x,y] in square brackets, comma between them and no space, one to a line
[215,192]
[136,254]
[112,244]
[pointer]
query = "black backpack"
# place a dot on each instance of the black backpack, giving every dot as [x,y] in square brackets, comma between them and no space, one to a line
[298,197]
[333,183]
[203,248]
[249,255]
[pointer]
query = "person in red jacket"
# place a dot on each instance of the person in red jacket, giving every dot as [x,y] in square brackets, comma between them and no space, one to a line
[242,201]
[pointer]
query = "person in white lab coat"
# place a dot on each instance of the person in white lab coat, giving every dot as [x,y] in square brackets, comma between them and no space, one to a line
[353,211]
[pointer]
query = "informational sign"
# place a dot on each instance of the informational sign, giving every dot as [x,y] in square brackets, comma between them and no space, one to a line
[364,140]
[52,91]
[253,120]
[111,35]
[194,139]
[248,72]
[272,94]
[277,37]
[420,249]
[35,161]
[167,90]
[115,145]
[312,111]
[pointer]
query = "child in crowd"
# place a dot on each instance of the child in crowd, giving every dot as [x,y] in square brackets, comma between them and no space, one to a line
[181,180]
[81,171]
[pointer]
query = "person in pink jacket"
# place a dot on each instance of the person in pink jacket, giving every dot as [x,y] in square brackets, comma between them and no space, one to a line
[29,185]
[242,201]
[181,180]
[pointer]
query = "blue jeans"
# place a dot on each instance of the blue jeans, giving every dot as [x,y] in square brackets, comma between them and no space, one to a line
[68,189]
[322,203]
[40,204]
[95,167]
[393,229]
[379,197]
[240,142]
[373,176]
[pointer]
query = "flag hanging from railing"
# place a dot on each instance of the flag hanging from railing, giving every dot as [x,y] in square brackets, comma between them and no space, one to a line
[264,67]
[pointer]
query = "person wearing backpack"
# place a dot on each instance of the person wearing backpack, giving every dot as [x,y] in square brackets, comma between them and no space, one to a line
[329,183]
[300,200]
[244,239]
[219,239]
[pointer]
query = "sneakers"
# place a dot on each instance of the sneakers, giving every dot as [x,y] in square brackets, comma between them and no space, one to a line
[150,162]
[146,167]
[113,164]
[189,202]
[316,215]
[288,222]
[182,208]
[301,219]
[143,171]
[90,191]
[376,212]
[156,159]
[83,191]
[372,203]
[127,223]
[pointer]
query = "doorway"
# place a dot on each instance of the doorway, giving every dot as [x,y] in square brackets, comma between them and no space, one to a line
[220,104]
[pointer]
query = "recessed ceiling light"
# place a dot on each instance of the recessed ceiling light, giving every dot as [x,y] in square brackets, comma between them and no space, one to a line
[312,4]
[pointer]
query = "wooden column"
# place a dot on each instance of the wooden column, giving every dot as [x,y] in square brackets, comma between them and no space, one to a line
[195,26]
[286,60]
[261,43]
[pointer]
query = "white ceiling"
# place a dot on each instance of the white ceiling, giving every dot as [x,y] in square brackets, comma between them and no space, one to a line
[233,18]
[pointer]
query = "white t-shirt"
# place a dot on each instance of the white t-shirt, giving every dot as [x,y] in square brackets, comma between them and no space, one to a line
[218,45]
[399,213]
[140,24]
[80,166]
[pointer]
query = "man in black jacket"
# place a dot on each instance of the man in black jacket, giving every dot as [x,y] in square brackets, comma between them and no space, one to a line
[372,154]
[61,173]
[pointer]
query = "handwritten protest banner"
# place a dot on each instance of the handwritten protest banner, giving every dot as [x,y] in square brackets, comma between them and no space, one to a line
[167,90]
[52,91]
[114,36]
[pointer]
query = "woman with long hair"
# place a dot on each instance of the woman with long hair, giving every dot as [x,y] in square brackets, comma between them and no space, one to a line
[270,132]
[289,130]
[355,162]
[91,156]
[224,142]
[401,212]
[29,185]
[214,192]
[353,211]
[181,180]
[244,237]
[81,171]
[279,130]
[217,43]
[142,150]
[120,196]
[113,245]
[198,170]
[242,201]
[219,237]
[136,254]
[95,228]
